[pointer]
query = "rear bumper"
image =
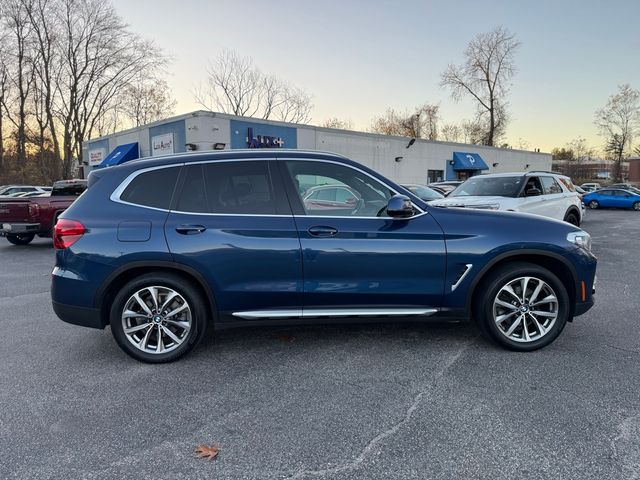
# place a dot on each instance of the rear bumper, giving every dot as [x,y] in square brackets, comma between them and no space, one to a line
[86,317]
[19,228]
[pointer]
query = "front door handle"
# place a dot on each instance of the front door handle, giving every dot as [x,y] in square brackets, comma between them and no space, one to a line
[322,231]
[190,229]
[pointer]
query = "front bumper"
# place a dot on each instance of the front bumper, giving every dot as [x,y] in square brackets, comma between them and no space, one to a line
[19,228]
[86,317]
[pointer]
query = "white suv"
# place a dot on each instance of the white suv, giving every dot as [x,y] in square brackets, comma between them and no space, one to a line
[542,193]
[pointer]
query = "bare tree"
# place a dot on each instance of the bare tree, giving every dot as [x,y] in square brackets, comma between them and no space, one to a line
[472,132]
[335,122]
[4,85]
[101,58]
[450,132]
[235,85]
[46,61]
[485,76]
[423,123]
[146,101]
[295,106]
[20,73]
[618,122]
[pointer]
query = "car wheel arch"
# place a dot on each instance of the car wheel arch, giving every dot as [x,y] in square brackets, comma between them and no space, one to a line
[572,210]
[109,288]
[551,261]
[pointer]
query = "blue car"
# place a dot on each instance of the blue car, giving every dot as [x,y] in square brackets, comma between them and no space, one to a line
[163,249]
[612,197]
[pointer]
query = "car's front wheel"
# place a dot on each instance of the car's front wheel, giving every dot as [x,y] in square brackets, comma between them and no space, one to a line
[594,204]
[525,306]
[158,318]
[636,206]
[20,239]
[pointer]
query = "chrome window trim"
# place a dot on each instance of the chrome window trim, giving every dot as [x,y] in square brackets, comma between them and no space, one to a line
[333,312]
[115,195]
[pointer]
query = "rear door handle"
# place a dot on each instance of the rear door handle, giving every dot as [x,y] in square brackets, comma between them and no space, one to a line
[322,231]
[190,229]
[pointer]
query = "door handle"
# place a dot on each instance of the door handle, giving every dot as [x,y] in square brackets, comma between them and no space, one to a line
[322,231]
[190,229]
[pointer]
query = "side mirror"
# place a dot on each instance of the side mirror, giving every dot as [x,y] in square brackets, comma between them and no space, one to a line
[399,206]
[533,192]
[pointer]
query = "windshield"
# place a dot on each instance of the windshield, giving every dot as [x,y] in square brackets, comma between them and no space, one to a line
[489,186]
[425,193]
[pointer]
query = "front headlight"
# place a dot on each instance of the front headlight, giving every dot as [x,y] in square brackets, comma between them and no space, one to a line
[582,239]
[486,206]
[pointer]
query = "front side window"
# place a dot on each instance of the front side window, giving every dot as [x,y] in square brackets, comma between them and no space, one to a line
[489,186]
[227,188]
[329,189]
[152,189]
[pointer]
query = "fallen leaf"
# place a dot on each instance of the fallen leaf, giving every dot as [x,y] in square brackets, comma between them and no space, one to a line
[210,453]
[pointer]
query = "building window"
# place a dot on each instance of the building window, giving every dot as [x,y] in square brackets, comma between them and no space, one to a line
[435,176]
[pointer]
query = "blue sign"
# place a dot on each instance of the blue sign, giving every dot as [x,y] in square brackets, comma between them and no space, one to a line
[263,141]
[262,135]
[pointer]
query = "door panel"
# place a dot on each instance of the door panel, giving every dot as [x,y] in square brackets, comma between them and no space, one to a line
[358,259]
[251,261]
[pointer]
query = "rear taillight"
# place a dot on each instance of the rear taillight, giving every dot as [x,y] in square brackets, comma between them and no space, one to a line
[66,233]
[34,209]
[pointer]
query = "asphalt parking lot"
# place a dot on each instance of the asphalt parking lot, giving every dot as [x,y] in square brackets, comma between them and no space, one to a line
[366,402]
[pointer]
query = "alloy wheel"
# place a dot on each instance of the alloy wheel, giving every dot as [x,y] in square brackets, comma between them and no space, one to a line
[156,319]
[525,309]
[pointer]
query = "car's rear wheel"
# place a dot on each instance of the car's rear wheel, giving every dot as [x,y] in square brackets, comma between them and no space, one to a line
[20,239]
[158,318]
[636,206]
[525,307]
[594,204]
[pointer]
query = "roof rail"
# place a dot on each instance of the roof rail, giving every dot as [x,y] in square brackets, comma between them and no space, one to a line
[544,171]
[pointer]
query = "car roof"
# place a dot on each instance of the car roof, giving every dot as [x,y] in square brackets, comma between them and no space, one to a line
[236,154]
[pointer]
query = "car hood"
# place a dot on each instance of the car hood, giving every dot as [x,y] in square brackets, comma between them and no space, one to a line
[472,201]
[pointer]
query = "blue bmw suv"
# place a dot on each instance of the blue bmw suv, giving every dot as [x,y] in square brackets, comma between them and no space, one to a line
[162,249]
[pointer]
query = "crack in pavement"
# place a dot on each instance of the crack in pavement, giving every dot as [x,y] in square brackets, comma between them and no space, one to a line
[23,295]
[353,464]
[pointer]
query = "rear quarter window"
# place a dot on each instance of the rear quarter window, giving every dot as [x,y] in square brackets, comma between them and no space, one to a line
[152,189]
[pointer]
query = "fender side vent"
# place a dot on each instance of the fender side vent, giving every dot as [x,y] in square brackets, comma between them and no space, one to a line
[463,273]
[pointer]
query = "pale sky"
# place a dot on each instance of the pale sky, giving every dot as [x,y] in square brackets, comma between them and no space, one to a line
[358,57]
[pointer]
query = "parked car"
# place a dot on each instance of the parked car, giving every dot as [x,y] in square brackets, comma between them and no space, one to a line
[423,192]
[590,187]
[21,219]
[445,188]
[163,248]
[541,193]
[626,186]
[8,190]
[331,197]
[581,191]
[613,197]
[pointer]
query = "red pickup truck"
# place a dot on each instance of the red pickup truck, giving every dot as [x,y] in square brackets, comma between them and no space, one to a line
[21,219]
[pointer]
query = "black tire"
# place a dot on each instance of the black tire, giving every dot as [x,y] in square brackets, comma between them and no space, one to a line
[483,304]
[190,293]
[572,218]
[636,206]
[593,204]
[21,239]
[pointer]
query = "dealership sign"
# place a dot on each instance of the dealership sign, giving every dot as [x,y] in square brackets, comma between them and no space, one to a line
[162,144]
[96,156]
[263,141]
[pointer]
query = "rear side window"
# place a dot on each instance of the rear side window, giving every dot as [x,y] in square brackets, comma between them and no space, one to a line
[550,185]
[242,187]
[152,189]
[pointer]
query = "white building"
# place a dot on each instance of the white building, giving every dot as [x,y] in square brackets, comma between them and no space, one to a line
[402,159]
